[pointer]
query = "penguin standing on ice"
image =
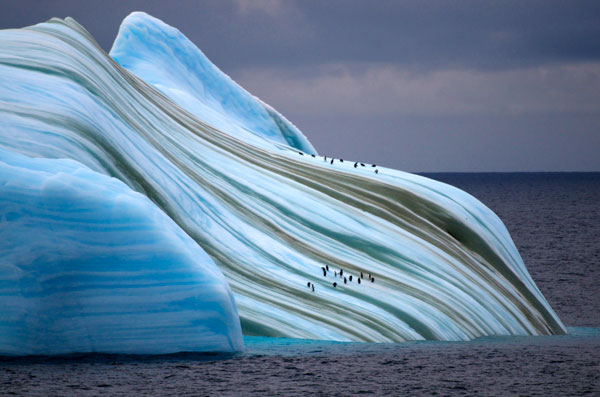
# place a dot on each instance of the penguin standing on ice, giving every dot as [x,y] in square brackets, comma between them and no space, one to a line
[359,280]
[324,272]
[308,284]
[331,161]
[313,288]
[312,155]
[325,158]
[334,284]
[341,272]
[301,154]
[327,267]
[345,280]
[355,164]
[350,278]
[361,275]
[377,171]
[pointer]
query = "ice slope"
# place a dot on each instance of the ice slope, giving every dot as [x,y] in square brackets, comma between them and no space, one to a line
[88,265]
[444,264]
[163,57]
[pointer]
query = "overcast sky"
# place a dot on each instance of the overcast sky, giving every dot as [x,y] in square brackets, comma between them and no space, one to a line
[419,86]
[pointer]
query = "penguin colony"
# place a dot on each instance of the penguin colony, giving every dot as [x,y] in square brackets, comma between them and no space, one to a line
[356,164]
[340,274]
[325,269]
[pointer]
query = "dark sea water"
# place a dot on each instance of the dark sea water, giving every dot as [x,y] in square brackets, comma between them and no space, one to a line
[554,219]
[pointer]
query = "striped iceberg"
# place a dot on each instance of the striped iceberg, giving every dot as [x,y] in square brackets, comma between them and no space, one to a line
[235,179]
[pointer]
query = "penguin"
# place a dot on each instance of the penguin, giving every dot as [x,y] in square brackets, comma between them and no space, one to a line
[361,275]
[344,280]
[341,272]
[362,165]
[355,164]
[373,280]
[313,288]
[373,165]
[341,160]
[359,280]
[308,284]
[301,154]
[325,158]
[334,285]
[324,272]
[312,155]
[335,274]
[327,267]
[377,171]
[350,278]
[331,161]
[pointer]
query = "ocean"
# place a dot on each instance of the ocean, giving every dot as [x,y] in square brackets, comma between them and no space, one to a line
[554,219]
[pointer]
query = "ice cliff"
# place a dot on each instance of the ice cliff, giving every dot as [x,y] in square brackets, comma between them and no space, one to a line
[228,172]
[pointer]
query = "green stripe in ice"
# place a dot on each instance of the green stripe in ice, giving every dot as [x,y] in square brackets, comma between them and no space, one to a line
[444,264]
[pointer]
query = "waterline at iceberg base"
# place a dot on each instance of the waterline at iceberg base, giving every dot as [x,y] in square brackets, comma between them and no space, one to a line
[238,181]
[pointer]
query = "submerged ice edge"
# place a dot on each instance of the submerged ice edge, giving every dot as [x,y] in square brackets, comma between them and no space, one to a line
[445,266]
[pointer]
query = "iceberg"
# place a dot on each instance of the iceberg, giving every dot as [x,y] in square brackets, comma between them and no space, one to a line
[246,186]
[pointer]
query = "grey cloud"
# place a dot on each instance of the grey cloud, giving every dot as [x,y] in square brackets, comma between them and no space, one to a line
[542,118]
[424,34]
[382,90]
